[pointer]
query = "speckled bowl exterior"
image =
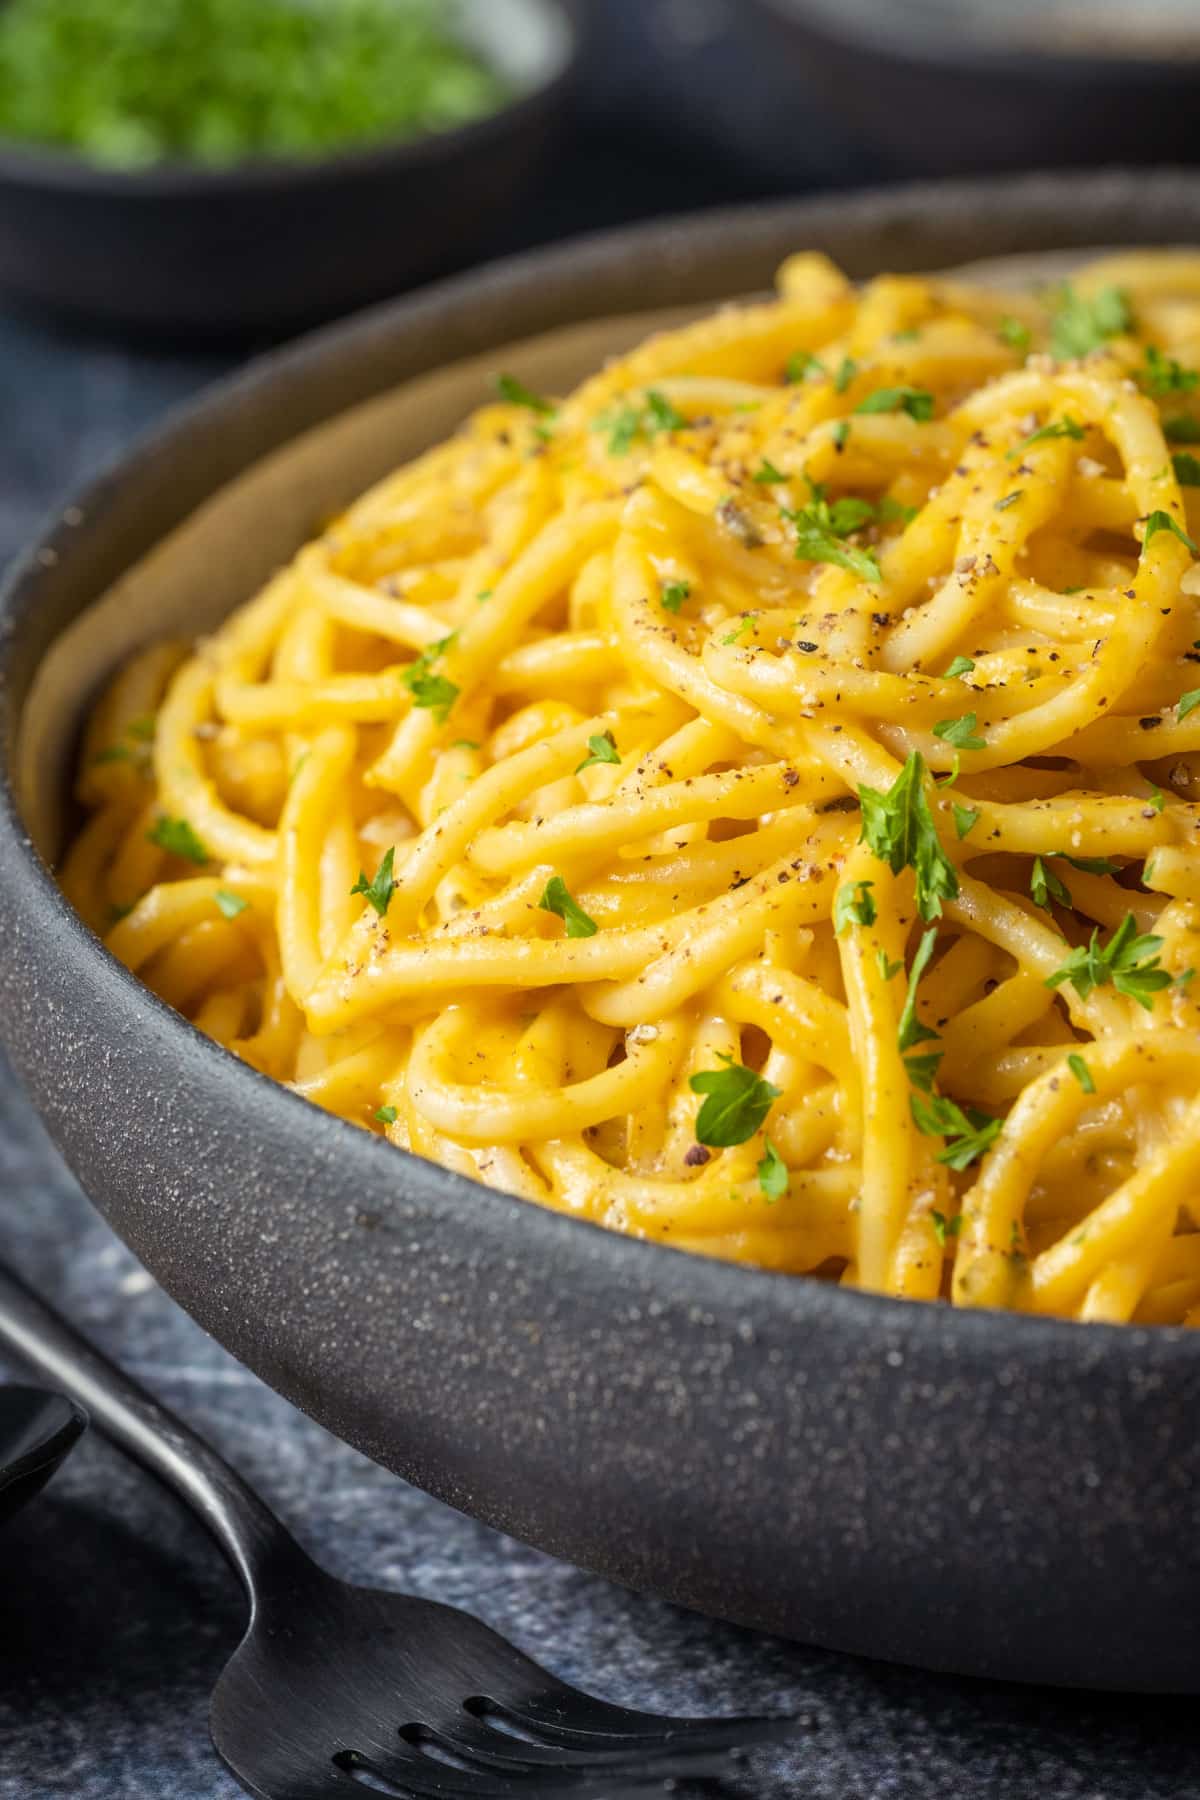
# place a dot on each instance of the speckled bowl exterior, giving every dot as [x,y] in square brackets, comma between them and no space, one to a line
[982,1493]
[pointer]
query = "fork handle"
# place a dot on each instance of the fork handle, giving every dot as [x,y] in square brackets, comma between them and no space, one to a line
[247,1531]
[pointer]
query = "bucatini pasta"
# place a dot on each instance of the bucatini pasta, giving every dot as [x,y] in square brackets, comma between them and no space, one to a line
[748,803]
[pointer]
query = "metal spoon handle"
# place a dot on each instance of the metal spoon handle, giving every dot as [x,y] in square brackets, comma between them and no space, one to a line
[249,1534]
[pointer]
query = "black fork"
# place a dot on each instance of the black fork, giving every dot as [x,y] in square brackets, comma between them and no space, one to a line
[337,1691]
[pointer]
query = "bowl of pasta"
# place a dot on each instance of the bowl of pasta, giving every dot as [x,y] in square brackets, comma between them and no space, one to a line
[599,874]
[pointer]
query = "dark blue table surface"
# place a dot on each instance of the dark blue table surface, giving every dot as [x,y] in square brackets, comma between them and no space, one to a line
[115,1612]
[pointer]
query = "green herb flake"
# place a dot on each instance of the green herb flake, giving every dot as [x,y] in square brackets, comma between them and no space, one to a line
[1093,865]
[229,905]
[1008,500]
[772,1172]
[969,1135]
[898,827]
[962,665]
[1162,521]
[673,595]
[922,1070]
[739,631]
[1081,1072]
[846,371]
[960,733]
[966,818]
[556,899]
[1084,323]
[1129,961]
[841,435]
[823,525]
[601,749]
[1182,430]
[378,892]
[801,364]
[1018,337]
[1157,798]
[918,403]
[910,1030]
[943,1227]
[887,969]
[386,1115]
[1058,428]
[515,393]
[177,838]
[854,905]
[1161,374]
[1045,886]
[1187,468]
[736,1104]
[768,475]
[894,512]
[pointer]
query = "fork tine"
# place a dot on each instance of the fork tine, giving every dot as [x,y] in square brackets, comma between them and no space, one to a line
[518,1775]
[594,1724]
[477,1741]
[423,1779]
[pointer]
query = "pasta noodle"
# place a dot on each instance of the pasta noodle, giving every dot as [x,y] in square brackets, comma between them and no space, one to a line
[750,803]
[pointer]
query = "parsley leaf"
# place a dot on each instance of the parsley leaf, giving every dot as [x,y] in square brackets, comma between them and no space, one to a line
[944,1227]
[673,595]
[1187,703]
[960,733]
[378,893]
[854,905]
[601,749]
[968,1134]
[517,394]
[627,423]
[772,1172]
[962,665]
[966,818]
[886,969]
[846,371]
[1058,428]
[229,905]
[821,526]
[898,826]
[1182,430]
[433,692]
[1082,1073]
[1129,961]
[801,364]
[1045,886]
[894,512]
[1083,322]
[840,434]
[556,899]
[177,838]
[1017,336]
[911,1031]
[1008,500]
[1163,375]
[1093,865]
[768,475]
[736,1104]
[916,402]
[386,1115]
[1187,468]
[1162,521]
[922,1070]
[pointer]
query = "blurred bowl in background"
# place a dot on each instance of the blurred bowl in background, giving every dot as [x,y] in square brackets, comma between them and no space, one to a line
[260,247]
[952,86]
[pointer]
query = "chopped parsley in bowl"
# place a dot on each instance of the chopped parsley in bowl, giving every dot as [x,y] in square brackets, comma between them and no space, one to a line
[131,83]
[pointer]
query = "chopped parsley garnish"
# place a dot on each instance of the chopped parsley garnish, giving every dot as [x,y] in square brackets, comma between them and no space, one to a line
[1084,322]
[435,693]
[1017,336]
[626,423]
[1045,886]
[601,749]
[1187,468]
[517,394]
[556,899]
[962,665]
[229,905]
[960,733]
[1163,375]
[823,524]
[1182,430]
[1129,961]
[1157,798]
[177,838]
[886,968]
[916,402]
[1162,521]
[378,892]
[801,364]
[943,1227]
[1187,703]
[772,1172]
[846,371]
[386,1115]
[922,1070]
[968,1134]
[1081,1072]
[854,905]
[911,1031]
[840,435]
[898,826]
[966,818]
[739,631]
[768,475]
[465,744]
[736,1104]
[1093,865]
[1057,428]
[1008,500]
[894,512]
[673,595]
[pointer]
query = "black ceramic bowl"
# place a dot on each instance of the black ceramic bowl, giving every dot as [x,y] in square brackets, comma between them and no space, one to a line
[269,246]
[979,1492]
[922,84]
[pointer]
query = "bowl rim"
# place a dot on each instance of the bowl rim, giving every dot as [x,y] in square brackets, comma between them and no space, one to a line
[67,171]
[773,1299]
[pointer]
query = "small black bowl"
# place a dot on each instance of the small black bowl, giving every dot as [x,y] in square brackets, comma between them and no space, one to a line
[269,246]
[951,100]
